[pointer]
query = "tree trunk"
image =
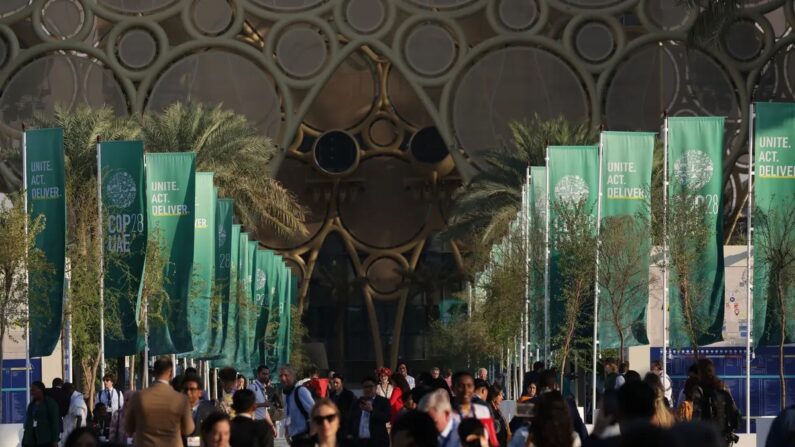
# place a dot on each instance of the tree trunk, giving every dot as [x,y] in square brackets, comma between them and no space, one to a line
[782,337]
[621,346]
[132,372]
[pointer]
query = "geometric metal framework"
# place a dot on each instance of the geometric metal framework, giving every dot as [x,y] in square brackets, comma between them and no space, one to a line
[383,107]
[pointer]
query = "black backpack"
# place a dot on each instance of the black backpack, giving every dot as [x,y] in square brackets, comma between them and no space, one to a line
[717,406]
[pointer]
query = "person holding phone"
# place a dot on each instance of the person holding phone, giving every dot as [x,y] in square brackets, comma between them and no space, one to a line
[368,418]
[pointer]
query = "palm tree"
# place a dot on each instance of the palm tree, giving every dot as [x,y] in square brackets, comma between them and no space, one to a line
[81,128]
[485,208]
[227,144]
[713,17]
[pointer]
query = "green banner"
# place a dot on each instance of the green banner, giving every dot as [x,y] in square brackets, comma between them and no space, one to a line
[573,179]
[289,288]
[774,199]
[227,355]
[244,298]
[264,288]
[45,189]
[537,208]
[171,194]
[223,246]
[203,266]
[123,197]
[627,159]
[695,164]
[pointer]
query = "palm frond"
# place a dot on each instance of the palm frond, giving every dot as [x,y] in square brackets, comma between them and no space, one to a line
[227,144]
[484,209]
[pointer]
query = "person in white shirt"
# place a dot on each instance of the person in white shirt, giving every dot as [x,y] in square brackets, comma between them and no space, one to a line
[78,411]
[656,368]
[259,387]
[403,369]
[110,396]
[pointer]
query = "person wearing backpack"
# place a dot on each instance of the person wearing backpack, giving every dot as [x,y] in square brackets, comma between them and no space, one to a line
[298,403]
[715,404]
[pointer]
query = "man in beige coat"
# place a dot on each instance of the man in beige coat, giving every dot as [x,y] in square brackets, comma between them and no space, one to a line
[158,415]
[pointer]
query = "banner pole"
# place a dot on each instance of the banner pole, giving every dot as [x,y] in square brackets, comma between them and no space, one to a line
[27,273]
[748,272]
[546,263]
[145,304]
[596,283]
[664,359]
[526,227]
[101,264]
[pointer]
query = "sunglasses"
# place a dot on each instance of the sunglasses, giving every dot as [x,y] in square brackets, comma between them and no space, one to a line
[328,418]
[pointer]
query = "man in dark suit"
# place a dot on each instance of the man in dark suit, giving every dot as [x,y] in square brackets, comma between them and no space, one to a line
[342,397]
[159,415]
[246,431]
[59,396]
[200,409]
[368,418]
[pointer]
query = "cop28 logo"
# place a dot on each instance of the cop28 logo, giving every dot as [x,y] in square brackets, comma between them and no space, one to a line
[120,189]
[221,235]
[694,169]
[261,279]
[571,189]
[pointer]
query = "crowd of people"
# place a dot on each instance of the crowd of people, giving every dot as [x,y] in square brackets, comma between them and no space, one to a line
[435,409]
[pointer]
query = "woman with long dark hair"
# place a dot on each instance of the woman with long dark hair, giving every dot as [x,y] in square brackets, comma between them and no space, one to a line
[494,399]
[716,404]
[552,424]
[400,389]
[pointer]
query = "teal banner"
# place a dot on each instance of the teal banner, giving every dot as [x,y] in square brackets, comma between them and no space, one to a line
[223,255]
[625,235]
[774,211]
[203,266]
[123,202]
[573,180]
[45,189]
[231,336]
[171,194]
[244,308]
[695,157]
[264,288]
[537,208]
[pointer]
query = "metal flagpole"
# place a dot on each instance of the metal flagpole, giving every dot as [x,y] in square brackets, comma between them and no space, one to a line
[101,264]
[526,228]
[145,368]
[596,283]
[748,272]
[546,263]
[27,273]
[664,359]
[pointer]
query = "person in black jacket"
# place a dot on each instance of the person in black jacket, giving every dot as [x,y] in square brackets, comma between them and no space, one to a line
[342,397]
[245,431]
[60,397]
[368,418]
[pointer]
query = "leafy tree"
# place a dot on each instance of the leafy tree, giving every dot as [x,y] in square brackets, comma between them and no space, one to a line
[775,245]
[227,144]
[575,242]
[687,237]
[489,203]
[18,252]
[81,128]
[623,272]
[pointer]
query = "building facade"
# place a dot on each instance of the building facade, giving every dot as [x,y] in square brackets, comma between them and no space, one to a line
[384,107]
